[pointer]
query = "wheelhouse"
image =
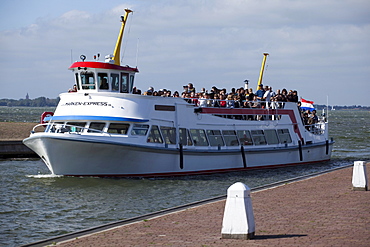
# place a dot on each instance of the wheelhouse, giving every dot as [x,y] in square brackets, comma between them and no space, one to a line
[103,77]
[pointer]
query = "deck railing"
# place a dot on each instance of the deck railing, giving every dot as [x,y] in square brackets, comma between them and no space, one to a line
[317,128]
[201,102]
[65,128]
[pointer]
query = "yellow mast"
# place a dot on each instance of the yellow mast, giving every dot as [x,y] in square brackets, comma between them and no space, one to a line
[262,69]
[117,50]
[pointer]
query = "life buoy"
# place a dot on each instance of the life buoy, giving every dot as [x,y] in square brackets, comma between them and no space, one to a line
[44,115]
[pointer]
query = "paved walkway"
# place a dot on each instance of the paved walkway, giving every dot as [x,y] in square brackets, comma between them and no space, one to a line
[321,211]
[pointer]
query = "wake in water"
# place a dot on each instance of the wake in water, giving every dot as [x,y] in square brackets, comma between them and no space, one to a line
[44,176]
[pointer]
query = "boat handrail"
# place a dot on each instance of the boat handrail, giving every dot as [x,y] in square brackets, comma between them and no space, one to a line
[316,128]
[268,111]
[38,125]
[211,103]
[64,130]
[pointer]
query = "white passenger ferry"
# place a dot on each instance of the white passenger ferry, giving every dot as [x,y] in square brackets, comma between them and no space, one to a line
[104,129]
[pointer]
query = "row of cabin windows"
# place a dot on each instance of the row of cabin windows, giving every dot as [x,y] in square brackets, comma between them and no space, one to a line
[200,137]
[196,137]
[115,82]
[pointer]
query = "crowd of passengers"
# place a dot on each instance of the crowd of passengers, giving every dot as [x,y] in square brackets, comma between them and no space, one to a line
[236,98]
[309,118]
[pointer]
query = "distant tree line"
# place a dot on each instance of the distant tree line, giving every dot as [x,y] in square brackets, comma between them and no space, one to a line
[38,102]
[339,107]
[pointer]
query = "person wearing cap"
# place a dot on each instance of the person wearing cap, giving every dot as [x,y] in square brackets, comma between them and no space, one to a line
[149,91]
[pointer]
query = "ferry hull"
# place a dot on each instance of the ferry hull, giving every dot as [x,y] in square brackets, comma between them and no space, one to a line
[83,157]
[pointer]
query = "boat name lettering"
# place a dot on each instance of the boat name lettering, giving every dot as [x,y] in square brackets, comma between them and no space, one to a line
[87,103]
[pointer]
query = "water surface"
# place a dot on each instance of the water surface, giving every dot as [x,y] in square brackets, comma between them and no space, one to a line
[36,205]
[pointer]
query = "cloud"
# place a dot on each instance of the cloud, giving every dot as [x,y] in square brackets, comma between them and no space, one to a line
[315,46]
[74,15]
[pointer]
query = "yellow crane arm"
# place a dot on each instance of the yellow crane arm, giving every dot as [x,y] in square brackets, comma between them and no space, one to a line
[117,49]
[262,69]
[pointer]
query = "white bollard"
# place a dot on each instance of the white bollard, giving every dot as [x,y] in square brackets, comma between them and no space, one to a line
[238,221]
[359,176]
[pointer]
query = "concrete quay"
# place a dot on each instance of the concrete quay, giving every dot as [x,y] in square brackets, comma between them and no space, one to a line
[15,149]
[11,136]
[320,211]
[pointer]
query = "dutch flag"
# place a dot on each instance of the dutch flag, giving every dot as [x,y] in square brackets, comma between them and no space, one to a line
[307,105]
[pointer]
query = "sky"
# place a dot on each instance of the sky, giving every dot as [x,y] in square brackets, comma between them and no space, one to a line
[319,48]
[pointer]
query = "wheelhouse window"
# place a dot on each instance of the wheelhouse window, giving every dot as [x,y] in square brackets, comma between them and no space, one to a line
[77,83]
[96,127]
[215,138]
[118,128]
[230,138]
[87,80]
[185,137]
[244,137]
[114,78]
[103,81]
[199,137]
[139,129]
[155,135]
[124,83]
[258,137]
[284,136]
[132,77]
[169,135]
